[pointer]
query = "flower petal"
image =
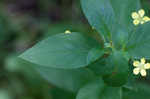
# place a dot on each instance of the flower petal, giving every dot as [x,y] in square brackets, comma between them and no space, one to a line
[142,21]
[136,22]
[136,71]
[146,18]
[143,60]
[141,13]
[136,63]
[147,66]
[135,15]
[143,72]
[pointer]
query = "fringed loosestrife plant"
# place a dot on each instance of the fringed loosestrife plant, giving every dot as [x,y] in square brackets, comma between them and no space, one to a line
[77,62]
[139,17]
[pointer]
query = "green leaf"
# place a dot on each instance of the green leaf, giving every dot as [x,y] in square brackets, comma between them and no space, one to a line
[100,68]
[143,92]
[139,42]
[98,90]
[123,10]
[71,80]
[119,73]
[95,54]
[100,15]
[104,15]
[61,51]
[120,38]
[113,68]
[112,18]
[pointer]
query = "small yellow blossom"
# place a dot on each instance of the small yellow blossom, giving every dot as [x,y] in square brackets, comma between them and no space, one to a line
[67,32]
[140,67]
[139,17]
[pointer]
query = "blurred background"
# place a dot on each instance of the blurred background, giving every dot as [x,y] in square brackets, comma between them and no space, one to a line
[22,24]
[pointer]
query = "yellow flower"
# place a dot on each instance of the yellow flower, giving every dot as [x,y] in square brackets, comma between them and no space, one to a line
[140,67]
[67,32]
[139,18]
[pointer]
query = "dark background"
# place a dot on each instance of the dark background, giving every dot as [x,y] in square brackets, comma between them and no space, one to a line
[22,24]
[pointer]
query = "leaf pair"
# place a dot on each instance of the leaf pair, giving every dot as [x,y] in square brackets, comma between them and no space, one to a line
[108,16]
[112,19]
